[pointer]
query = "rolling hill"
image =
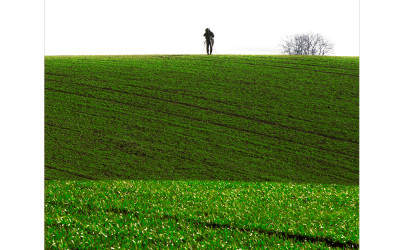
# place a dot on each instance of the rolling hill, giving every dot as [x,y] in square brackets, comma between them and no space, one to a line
[191,151]
[195,117]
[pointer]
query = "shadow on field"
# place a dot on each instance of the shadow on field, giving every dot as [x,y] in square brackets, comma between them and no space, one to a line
[298,237]
[89,209]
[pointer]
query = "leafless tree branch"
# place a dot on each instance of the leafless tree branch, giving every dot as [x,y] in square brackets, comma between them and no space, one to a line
[307,44]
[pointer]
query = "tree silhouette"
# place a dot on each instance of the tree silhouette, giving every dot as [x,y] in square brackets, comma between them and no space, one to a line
[307,44]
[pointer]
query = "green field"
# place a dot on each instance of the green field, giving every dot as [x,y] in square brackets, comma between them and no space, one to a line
[197,214]
[214,151]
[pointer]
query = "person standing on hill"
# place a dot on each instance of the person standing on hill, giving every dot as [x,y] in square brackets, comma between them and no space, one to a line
[209,40]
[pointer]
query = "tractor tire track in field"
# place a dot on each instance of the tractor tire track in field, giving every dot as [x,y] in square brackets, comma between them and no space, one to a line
[180,109]
[188,159]
[298,237]
[244,152]
[323,162]
[228,103]
[270,64]
[286,59]
[221,112]
[214,123]
[248,153]
[319,71]
[319,66]
[314,65]
[70,172]
[200,120]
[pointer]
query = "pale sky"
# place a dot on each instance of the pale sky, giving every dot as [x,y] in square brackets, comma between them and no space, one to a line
[90,27]
[78,27]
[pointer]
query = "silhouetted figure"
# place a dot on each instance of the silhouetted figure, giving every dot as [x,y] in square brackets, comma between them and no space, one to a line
[209,40]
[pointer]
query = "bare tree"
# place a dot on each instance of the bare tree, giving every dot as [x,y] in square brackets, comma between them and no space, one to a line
[307,44]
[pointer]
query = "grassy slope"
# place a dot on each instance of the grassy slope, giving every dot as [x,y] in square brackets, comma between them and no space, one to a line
[200,214]
[240,118]
[206,118]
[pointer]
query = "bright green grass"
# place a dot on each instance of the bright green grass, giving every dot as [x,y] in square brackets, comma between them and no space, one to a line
[195,214]
[195,124]
[234,118]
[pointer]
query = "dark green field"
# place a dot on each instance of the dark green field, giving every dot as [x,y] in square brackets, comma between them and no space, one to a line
[205,118]
[145,132]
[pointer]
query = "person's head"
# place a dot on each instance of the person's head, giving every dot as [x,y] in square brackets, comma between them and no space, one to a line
[207,30]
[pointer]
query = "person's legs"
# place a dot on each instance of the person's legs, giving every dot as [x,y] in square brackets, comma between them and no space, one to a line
[208,46]
[211,42]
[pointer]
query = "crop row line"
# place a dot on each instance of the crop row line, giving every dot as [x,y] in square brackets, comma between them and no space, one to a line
[220,112]
[242,151]
[315,70]
[235,128]
[188,159]
[228,103]
[271,65]
[88,208]
[185,117]
[70,172]
[153,88]
[196,119]
[279,158]
[298,237]
[316,65]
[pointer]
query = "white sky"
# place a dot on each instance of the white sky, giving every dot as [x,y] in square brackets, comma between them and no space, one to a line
[82,27]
